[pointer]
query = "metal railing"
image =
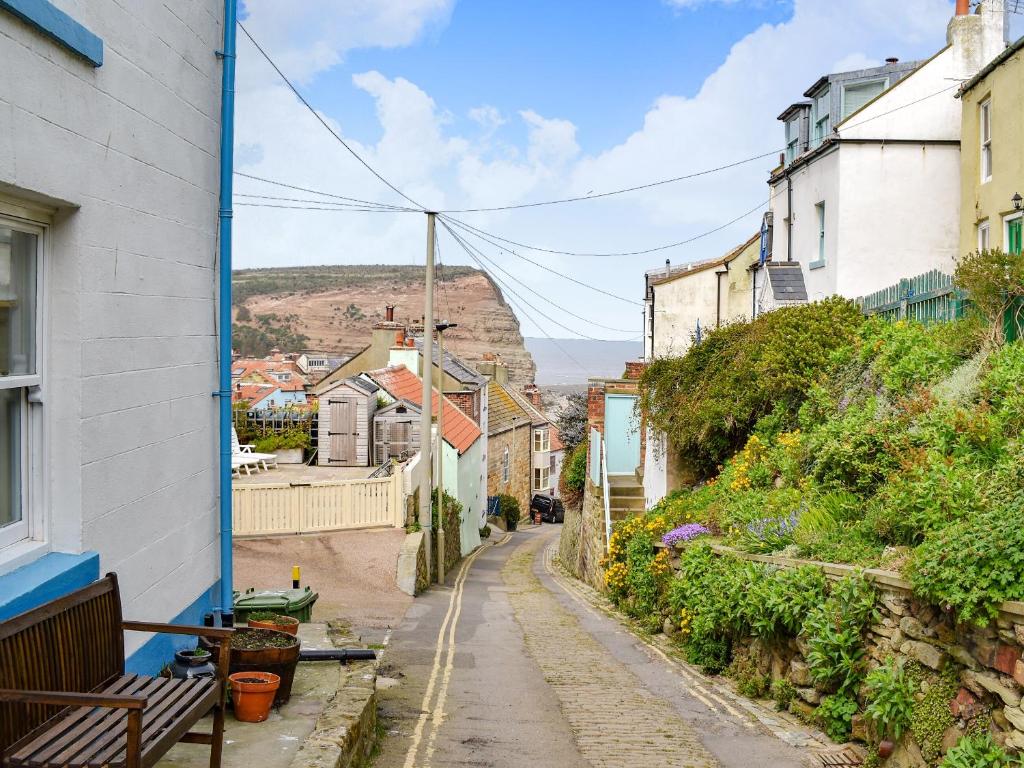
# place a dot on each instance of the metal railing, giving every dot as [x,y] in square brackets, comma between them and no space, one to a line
[607,498]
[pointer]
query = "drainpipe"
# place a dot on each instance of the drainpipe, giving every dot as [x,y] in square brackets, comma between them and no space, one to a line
[789,217]
[227,162]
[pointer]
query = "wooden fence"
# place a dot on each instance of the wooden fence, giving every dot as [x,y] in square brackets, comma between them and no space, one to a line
[285,508]
[927,298]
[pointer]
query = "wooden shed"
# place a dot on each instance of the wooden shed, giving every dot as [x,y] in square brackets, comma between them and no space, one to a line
[396,431]
[345,422]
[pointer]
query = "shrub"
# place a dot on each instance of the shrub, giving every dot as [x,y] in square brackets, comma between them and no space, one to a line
[572,422]
[979,752]
[975,564]
[904,355]
[485,532]
[574,476]
[783,692]
[834,632]
[854,451]
[994,280]
[781,600]
[508,508]
[931,716]
[749,680]
[835,715]
[890,695]
[1001,387]
[280,441]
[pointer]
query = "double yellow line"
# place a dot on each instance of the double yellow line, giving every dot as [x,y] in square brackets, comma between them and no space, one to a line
[436,715]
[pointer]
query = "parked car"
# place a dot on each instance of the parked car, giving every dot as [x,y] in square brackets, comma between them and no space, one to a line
[551,509]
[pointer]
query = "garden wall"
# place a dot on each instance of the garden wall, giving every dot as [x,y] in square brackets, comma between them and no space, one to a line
[581,545]
[983,665]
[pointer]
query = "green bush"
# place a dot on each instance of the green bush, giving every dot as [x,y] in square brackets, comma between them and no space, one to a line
[574,476]
[749,680]
[783,692]
[890,696]
[979,752]
[782,599]
[975,564]
[854,451]
[835,635]
[508,508]
[905,355]
[835,715]
[280,441]
[931,716]
[1001,387]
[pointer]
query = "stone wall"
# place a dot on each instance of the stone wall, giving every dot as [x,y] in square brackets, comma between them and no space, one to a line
[452,543]
[520,445]
[582,544]
[986,660]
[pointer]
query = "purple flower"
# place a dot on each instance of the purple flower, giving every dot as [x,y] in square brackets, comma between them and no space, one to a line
[686,532]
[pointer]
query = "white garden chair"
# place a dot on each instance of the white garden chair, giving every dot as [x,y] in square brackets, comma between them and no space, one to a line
[246,456]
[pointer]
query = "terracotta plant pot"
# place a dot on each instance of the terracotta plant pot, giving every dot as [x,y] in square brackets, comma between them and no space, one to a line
[281,624]
[885,748]
[253,694]
[280,660]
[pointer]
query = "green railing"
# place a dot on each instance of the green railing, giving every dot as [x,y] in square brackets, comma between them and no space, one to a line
[927,298]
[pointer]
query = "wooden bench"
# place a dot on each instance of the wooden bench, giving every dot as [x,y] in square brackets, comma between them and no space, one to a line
[65,699]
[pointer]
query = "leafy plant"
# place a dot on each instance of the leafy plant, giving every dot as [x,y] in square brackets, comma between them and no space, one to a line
[508,508]
[890,695]
[572,422]
[979,752]
[783,692]
[931,716]
[285,440]
[834,632]
[780,602]
[749,680]
[835,715]
[574,476]
[994,280]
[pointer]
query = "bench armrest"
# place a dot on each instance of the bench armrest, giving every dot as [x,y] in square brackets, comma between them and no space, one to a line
[176,629]
[65,699]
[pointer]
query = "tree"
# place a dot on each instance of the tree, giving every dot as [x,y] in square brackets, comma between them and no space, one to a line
[244,315]
[572,421]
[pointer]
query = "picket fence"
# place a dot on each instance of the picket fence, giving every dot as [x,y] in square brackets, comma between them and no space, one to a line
[927,298]
[285,508]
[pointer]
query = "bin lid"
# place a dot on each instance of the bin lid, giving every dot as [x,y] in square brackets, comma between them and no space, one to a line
[274,599]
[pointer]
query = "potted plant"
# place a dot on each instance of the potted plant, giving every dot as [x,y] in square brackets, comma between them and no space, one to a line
[263,650]
[252,694]
[193,662]
[510,512]
[288,445]
[271,620]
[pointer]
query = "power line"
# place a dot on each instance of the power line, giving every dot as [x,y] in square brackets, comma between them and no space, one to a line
[484,234]
[440,268]
[331,203]
[323,194]
[592,196]
[549,269]
[313,208]
[473,252]
[897,109]
[323,122]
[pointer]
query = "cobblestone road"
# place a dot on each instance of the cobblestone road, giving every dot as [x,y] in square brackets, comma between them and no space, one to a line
[509,666]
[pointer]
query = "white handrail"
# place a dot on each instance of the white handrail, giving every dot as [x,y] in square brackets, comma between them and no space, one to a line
[607,498]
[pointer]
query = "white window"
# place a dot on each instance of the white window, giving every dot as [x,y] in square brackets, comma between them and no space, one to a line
[856,95]
[19,372]
[984,236]
[820,210]
[792,139]
[822,123]
[985,117]
[540,479]
[541,440]
[505,466]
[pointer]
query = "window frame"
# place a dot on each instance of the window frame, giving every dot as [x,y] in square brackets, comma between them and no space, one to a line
[860,84]
[985,139]
[541,478]
[1007,221]
[541,440]
[984,235]
[819,120]
[31,525]
[819,210]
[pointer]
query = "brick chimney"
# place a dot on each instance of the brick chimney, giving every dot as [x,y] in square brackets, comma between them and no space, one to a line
[635,369]
[389,313]
[532,391]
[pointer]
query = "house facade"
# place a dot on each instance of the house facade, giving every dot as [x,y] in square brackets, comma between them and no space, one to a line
[509,446]
[870,192]
[109,161]
[992,157]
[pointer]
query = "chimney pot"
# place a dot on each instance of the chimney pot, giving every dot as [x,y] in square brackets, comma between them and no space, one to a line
[399,339]
[892,60]
[410,343]
[963,7]
[389,312]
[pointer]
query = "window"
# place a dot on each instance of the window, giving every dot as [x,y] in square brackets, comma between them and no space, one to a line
[1013,233]
[822,123]
[505,467]
[986,139]
[792,139]
[984,236]
[19,373]
[820,211]
[541,440]
[540,479]
[856,95]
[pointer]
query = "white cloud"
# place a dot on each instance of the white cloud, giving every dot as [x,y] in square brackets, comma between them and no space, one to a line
[731,116]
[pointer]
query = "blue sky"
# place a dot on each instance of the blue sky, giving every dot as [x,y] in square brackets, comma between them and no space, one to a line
[463,103]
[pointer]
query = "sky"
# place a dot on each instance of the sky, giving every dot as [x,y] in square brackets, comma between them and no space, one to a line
[480,103]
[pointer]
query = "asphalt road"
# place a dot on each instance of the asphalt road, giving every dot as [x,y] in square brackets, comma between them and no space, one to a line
[509,666]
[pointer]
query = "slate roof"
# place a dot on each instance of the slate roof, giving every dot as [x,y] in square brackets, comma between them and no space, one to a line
[536,416]
[456,368]
[787,281]
[460,431]
[502,408]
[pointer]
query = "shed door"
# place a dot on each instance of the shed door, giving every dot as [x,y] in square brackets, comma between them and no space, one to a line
[343,432]
[621,434]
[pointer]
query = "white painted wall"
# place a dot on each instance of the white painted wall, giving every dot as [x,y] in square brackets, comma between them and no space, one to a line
[129,155]
[678,305]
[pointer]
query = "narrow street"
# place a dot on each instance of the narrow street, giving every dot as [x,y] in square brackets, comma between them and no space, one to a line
[510,666]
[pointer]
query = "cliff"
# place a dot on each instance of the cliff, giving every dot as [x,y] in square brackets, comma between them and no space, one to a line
[331,309]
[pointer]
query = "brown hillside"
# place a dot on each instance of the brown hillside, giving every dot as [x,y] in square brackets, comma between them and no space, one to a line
[335,308]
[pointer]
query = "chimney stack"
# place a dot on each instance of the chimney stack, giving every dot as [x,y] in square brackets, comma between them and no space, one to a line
[963,7]
[389,313]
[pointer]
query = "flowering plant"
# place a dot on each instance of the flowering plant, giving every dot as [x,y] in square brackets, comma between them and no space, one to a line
[687,532]
[770,534]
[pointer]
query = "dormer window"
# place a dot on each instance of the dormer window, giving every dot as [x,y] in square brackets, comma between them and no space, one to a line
[821,117]
[856,95]
[792,139]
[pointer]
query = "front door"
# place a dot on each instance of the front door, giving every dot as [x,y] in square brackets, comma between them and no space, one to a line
[343,432]
[621,434]
[1013,235]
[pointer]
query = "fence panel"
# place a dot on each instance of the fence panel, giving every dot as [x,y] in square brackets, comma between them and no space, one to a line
[927,298]
[279,508]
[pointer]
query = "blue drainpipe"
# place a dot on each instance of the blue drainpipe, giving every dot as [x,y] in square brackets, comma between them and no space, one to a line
[227,163]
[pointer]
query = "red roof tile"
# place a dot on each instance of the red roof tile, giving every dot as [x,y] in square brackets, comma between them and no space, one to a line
[556,441]
[460,431]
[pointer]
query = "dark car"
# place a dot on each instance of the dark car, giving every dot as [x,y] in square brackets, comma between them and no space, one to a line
[550,508]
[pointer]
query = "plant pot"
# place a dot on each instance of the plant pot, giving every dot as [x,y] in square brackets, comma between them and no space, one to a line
[289,455]
[252,694]
[189,664]
[280,661]
[885,748]
[282,624]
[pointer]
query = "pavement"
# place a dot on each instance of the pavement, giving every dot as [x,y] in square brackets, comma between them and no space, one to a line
[353,571]
[510,664]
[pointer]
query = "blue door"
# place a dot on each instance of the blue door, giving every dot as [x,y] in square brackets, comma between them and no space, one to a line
[621,434]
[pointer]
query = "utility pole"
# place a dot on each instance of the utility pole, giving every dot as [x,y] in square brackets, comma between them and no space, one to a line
[441,328]
[427,409]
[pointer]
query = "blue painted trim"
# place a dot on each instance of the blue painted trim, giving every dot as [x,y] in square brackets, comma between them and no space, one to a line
[820,263]
[51,576]
[159,649]
[58,26]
